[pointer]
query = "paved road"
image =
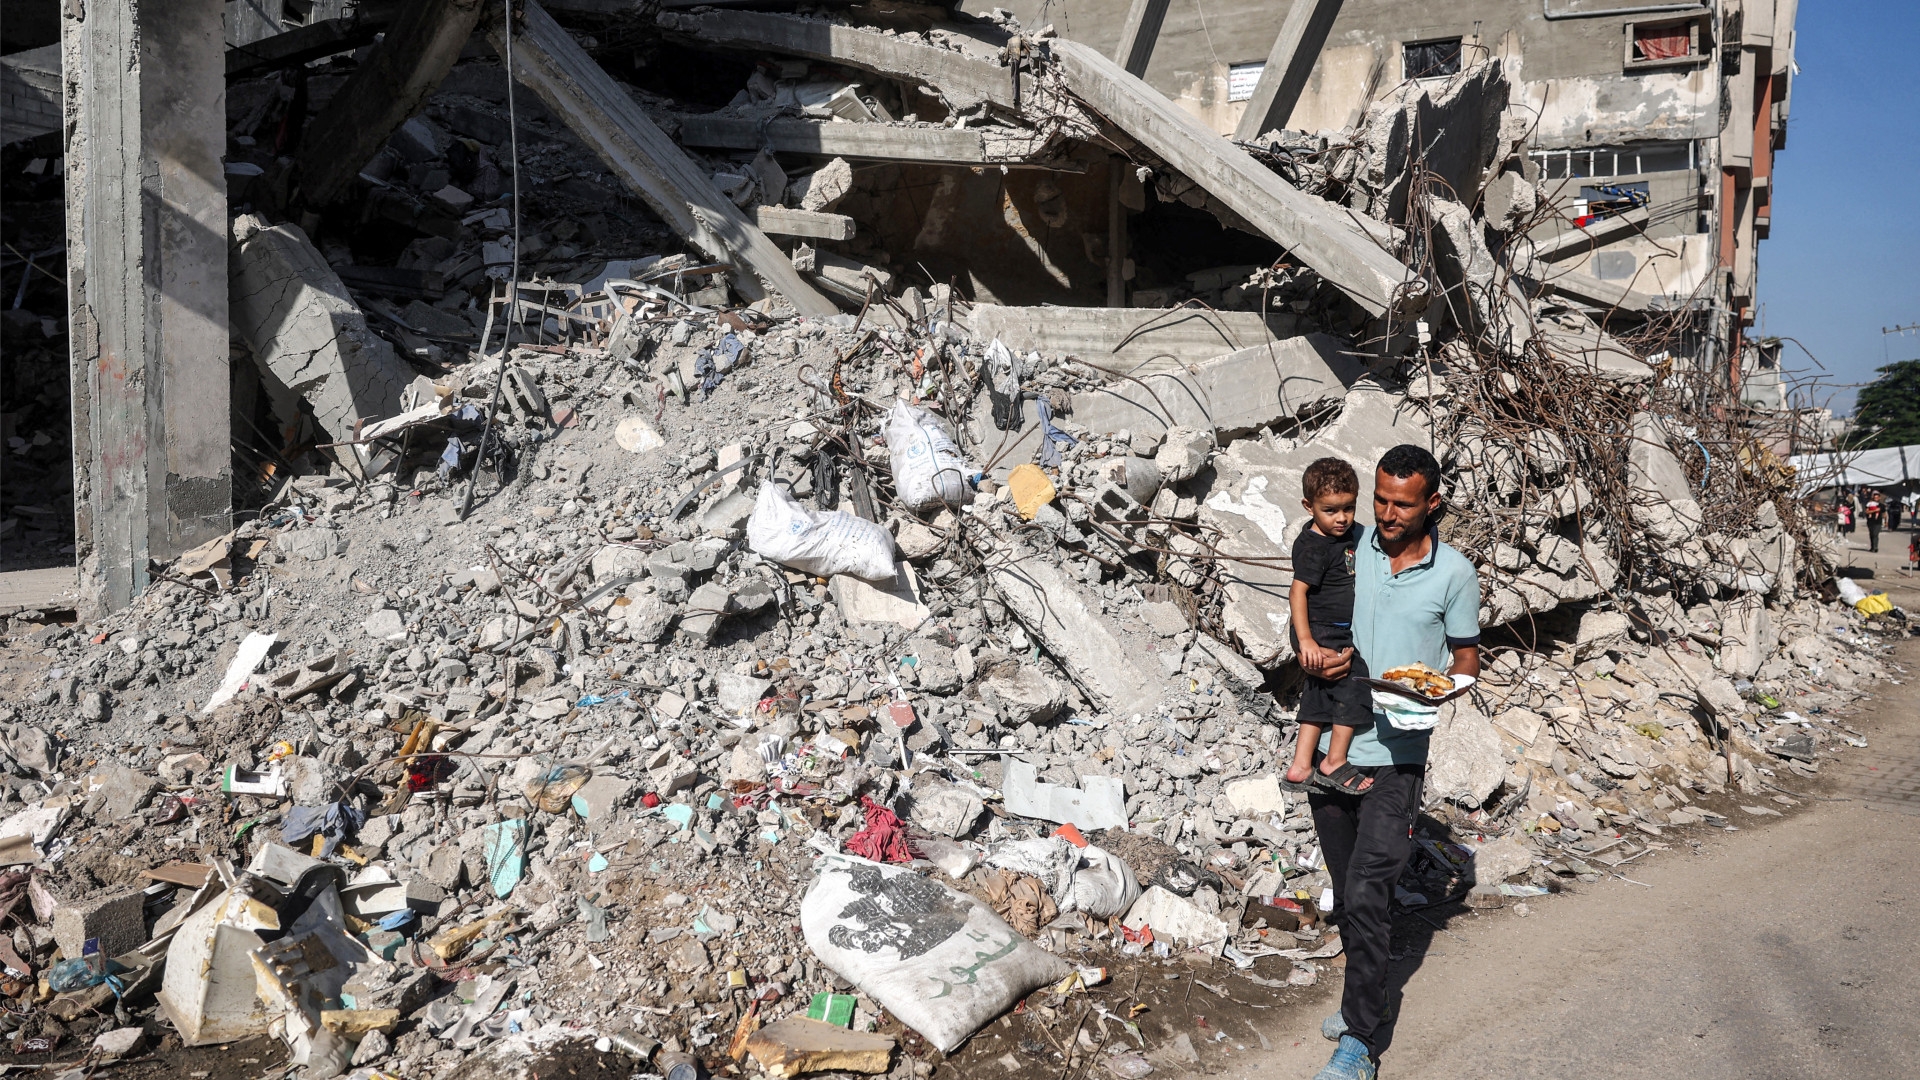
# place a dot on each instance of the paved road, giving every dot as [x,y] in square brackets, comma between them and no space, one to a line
[1786,950]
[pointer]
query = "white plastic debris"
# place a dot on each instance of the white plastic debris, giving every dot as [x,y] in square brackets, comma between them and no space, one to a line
[245,662]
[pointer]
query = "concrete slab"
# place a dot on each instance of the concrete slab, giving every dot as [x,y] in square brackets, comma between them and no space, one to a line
[1234,394]
[1134,341]
[896,601]
[965,82]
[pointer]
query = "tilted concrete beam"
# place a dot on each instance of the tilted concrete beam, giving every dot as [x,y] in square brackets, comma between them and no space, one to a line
[305,332]
[605,116]
[963,81]
[1317,232]
[382,94]
[1302,35]
[1578,241]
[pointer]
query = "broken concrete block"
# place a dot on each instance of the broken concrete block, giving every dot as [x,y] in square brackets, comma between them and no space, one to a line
[1465,762]
[597,798]
[116,792]
[1257,795]
[1183,453]
[305,332]
[823,188]
[1600,631]
[797,1045]
[738,694]
[1227,395]
[1509,199]
[945,809]
[1747,636]
[1024,694]
[385,625]
[113,918]
[1663,502]
[1116,671]
[704,610]
[896,601]
[1498,860]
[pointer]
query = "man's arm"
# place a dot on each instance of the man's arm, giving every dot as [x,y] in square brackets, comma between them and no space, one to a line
[1466,661]
[1462,621]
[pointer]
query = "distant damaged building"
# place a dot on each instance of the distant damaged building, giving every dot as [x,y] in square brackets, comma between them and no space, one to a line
[1652,128]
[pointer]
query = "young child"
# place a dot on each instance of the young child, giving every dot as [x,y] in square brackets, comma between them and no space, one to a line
[1322,627]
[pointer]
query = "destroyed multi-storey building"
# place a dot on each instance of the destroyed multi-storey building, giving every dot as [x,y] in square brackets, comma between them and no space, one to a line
[652,509]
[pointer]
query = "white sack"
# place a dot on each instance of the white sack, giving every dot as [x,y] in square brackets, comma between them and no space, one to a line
[939,960]
[824,544]
[928,469]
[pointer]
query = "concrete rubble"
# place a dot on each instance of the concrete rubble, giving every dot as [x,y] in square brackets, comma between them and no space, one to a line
[546,747]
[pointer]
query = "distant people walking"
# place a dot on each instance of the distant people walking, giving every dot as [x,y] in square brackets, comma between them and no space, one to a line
[1844,515]
[1876,515]
[1893,514]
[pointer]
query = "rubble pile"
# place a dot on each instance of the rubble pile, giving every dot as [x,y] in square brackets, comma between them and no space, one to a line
[789,692]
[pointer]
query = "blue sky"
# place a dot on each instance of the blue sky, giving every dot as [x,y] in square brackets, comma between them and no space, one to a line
[1843,259]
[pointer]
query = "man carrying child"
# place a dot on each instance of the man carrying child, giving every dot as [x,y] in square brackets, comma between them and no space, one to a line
[1415,600]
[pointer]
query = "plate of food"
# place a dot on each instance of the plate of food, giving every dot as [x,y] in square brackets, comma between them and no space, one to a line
[1421,683]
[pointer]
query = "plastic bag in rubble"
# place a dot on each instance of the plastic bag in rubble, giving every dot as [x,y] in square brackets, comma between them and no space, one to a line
[825,544]
[928,469]
[939,960]
[1090,879]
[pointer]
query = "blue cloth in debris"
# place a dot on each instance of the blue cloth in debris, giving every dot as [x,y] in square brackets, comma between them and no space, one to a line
[709,371]
[334,821]
[1051,438]
[450,457]
[394,920]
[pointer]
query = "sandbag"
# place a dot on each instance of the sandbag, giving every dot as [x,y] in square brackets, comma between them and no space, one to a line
[928,469]
[939,960]
[823,544]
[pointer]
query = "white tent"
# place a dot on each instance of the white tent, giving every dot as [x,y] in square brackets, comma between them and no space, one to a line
[1891,467]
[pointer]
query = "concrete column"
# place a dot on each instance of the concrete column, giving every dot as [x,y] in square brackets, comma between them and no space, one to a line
[145,106]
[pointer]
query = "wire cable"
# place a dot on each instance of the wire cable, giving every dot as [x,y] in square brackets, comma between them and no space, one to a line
[513,282]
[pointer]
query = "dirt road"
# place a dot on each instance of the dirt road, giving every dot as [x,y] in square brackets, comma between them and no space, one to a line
[1787,949]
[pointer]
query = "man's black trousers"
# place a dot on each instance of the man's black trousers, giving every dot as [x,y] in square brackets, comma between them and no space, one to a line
[1367,840]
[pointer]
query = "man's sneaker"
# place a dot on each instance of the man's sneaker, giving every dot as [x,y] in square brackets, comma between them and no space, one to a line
[1333,1027]
[1350,1061]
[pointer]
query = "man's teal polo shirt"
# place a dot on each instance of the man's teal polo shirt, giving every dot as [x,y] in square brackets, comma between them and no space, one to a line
[1419,614]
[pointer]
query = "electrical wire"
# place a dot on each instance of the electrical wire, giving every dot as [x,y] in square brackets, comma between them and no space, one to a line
[513,282]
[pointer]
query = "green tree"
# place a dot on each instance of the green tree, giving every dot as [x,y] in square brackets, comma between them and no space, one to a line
[1887,412]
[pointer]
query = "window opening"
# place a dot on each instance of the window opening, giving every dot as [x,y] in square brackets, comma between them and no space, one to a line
[1430,59]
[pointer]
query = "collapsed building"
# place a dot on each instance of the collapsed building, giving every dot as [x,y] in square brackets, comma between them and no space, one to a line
[588,530]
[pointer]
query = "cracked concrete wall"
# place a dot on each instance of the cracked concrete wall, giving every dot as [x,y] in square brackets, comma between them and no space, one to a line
[306,333]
